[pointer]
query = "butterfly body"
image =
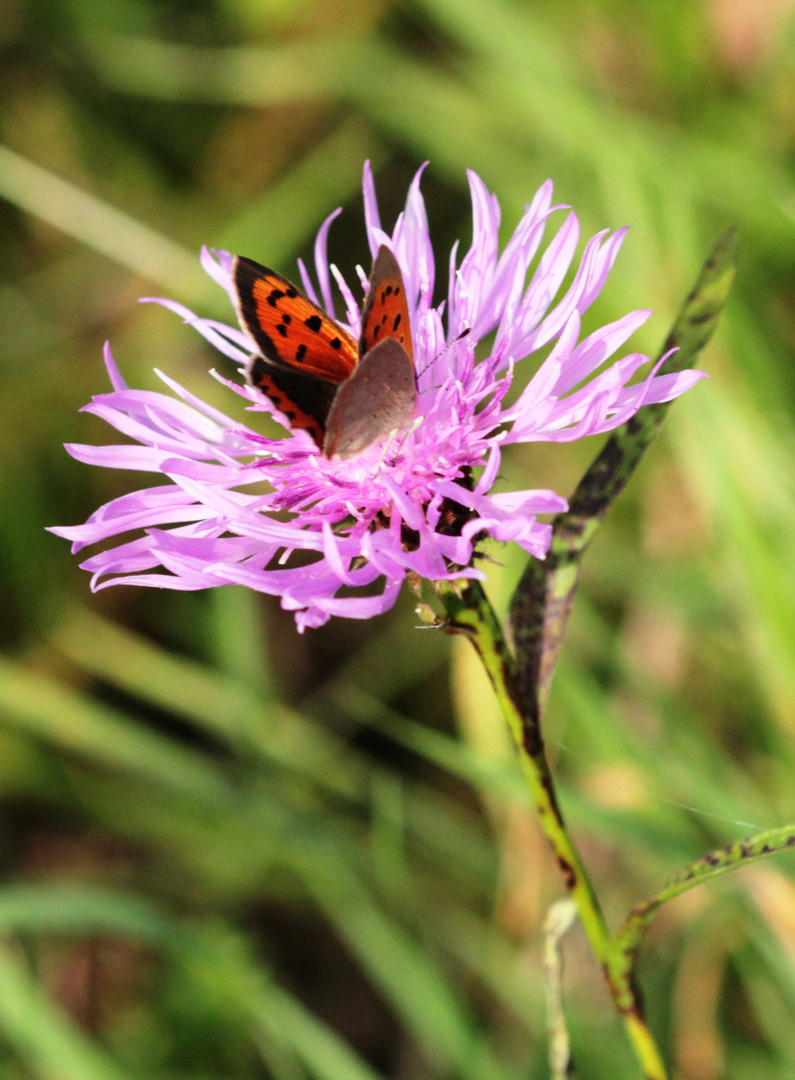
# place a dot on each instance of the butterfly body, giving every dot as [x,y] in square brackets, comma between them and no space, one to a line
[345,395]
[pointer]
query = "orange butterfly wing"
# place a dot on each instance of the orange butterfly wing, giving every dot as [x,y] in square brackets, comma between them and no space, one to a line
[386,310]
[289,330]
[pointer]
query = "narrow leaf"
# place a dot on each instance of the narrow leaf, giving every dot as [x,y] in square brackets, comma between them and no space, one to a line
[541,604]
[51,1046]
[627,939]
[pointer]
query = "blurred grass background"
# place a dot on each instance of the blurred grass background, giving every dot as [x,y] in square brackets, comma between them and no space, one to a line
[232,852]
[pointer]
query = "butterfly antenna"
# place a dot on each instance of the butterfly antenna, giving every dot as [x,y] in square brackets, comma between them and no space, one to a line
[449,345]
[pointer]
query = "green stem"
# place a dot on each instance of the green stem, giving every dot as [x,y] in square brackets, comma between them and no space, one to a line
[469,612]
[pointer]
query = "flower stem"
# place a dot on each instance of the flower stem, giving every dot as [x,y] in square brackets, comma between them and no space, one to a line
[470,612]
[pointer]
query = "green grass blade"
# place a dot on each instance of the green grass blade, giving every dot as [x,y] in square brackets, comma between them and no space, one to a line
[50,1045]
[100,226]
[39,705]
[407,976]
[222,705]
[220,962]
[325,1055]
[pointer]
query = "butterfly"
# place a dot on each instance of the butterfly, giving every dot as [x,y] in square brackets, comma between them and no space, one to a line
[345,394]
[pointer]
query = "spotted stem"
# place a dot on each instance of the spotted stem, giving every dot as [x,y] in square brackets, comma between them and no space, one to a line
[470,613]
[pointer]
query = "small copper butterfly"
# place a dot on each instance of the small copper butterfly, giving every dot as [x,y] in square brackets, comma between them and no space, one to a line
[344,395]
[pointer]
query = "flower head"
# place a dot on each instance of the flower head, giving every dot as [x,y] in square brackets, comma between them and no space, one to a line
[337,537]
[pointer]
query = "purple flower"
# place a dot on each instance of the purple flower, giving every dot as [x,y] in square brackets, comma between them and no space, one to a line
[335,537]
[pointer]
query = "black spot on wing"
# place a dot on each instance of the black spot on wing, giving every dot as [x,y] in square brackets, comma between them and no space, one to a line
[299,397]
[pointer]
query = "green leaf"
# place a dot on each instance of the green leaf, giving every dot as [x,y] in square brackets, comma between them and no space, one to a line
[627,939]
[542,601]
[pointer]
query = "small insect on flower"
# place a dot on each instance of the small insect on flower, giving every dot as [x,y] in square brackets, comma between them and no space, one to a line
[393,430]
[346,396]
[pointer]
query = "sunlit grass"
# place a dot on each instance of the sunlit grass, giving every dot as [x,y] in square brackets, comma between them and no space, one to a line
[313,853]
